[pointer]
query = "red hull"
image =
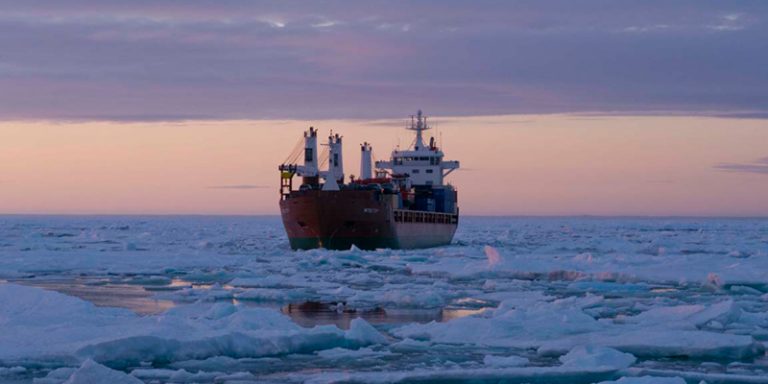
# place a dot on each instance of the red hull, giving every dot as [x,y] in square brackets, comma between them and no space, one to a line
[363,218]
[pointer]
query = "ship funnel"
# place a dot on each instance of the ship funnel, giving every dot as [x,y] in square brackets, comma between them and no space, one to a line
[309,171]
[335,165]
[310,152]
[366,161]
[335,159]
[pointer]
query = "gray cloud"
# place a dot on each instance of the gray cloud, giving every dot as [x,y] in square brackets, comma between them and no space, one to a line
[760,166]
[166,60]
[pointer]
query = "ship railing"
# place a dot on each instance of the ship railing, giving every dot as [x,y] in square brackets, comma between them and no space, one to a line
[407,216]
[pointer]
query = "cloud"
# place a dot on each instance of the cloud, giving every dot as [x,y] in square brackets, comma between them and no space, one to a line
[238,186]
[759,166]
[379,59]
[730,22]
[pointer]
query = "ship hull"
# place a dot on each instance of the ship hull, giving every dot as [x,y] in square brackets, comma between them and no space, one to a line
[361,218]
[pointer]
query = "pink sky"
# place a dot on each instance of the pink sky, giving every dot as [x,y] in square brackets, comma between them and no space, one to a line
[512,165]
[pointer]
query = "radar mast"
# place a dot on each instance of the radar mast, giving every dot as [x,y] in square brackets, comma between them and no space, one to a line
[419,124]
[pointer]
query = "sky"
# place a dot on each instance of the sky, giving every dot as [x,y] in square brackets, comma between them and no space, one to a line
[553,107]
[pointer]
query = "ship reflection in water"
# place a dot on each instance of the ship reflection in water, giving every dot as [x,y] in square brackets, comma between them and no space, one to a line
[142,299]
[311,313]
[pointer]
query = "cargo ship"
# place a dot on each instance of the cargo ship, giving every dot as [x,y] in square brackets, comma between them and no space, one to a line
[402,202]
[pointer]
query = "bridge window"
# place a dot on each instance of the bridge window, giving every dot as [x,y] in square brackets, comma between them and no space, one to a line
[415,171]
[429,171]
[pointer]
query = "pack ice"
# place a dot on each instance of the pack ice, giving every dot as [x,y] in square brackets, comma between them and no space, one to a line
[223,299]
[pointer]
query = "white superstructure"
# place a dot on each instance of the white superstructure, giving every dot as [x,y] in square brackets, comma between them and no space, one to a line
[366,161]
[423,163]
[335,173]
[310,167]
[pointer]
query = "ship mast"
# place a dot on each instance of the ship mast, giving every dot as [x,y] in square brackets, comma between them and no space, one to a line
[419,125]
[423,164]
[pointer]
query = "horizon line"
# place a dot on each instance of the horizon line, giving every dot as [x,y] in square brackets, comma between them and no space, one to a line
[277,215]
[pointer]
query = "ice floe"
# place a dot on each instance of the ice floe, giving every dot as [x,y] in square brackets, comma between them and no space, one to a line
[570,300]
[48,327]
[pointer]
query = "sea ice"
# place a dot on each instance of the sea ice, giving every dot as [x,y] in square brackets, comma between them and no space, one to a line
[597,357]
[91,372]
[505,361]
[685,296]
[47,326]
[646,380]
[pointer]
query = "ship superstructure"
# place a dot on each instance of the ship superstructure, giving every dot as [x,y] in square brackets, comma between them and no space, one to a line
[402,203]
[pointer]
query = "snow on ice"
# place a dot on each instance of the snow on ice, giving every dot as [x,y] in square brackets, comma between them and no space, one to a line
[223,299]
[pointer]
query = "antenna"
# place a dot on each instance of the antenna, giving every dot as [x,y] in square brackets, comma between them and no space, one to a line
[420,125]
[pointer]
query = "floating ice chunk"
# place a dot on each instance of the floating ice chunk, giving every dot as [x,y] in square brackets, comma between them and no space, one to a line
[91,372]
[662,343]
[239,377]
[703,377]
[220,310]
[182,376]
[597,357]
[585,257]
[518,299]
[505,361]
[344,354]
[492,255]
[216,363]
[451,375]
[40,323]
[47,326]
[259,282]
[362,332]
[56,376]
[714,280]
[175,376]
[725,312]
[404,296]
[153,374]
[427,298]
[686,316]
[236,338]
[744,290]
[607,287]
[12,371]
[646,380]
[410,345]
[523,327]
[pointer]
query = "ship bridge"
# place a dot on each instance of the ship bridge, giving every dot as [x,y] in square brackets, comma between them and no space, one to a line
[423,163]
